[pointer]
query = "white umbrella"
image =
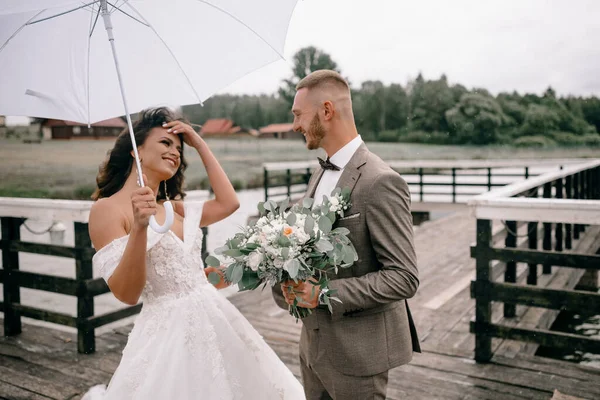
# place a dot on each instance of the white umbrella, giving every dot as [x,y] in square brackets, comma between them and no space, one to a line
[55,61]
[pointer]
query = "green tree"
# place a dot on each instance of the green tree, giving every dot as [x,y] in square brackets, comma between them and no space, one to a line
[429,102]
[476,119]
[306,60]
[397,107]
[370,106]
[591,111]
[540,120]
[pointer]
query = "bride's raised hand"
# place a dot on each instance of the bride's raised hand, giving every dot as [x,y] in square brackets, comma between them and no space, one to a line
[190,137]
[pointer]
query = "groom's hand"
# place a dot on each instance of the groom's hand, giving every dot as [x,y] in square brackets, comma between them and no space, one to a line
[306,293]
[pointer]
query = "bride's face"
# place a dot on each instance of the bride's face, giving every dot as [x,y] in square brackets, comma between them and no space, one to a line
[161,154]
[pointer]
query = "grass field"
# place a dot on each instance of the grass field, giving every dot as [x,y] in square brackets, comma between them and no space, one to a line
[67,169]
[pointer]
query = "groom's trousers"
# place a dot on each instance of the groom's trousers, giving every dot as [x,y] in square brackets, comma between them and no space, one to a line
[323,382]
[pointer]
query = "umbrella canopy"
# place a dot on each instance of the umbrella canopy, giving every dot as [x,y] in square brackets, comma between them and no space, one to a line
[56,61]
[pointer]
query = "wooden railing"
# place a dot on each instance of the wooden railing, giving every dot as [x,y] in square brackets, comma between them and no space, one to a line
[13,213]
[452,181]
[569,214]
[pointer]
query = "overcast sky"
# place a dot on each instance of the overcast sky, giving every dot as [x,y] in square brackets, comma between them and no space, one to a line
[500,45]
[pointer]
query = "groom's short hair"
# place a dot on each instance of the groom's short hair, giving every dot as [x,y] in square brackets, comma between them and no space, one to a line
[321,78]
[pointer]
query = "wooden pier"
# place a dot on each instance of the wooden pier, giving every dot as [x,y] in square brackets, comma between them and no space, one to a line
[43,363]
[492,280]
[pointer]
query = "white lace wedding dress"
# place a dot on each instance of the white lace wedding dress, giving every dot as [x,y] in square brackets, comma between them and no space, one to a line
[189,342]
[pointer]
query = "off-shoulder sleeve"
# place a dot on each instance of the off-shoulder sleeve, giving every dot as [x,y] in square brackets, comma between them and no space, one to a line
[107,259]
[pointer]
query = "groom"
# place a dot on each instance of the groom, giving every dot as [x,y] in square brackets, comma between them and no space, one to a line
[347,354]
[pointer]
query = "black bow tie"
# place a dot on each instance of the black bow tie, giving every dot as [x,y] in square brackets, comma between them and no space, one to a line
[328,165]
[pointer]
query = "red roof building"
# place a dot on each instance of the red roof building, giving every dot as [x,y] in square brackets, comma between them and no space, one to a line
[279,131]
[222,127]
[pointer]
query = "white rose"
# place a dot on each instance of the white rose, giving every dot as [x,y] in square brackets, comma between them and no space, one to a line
[278,263]
[302,236]
[334,201]
[254,260]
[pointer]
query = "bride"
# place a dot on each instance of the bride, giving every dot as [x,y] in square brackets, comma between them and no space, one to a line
[188,342]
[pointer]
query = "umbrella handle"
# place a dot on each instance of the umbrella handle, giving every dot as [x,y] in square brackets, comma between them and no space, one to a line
[169,218]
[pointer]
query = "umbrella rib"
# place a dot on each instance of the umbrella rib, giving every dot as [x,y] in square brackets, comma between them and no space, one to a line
[149,25]
[60,14]
[129,15]
[95,22]
[243,23]
[93,26]
[19,30]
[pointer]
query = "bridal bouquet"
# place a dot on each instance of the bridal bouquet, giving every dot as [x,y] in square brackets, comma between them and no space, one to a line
[297,244]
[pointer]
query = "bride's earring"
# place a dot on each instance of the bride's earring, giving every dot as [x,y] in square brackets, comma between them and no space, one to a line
[166,193]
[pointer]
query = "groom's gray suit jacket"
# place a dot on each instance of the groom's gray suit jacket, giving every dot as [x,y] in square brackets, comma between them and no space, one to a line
[372,330]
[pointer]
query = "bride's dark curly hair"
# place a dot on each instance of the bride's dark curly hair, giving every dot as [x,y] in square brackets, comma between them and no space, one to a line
[113,172]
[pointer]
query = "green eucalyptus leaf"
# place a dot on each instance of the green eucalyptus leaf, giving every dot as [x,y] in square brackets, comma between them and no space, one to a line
[325,224]
[291,219]
[214,278]
[237,273]
[341,231]
[233,253]
[309,225]
[308,202]
[284,205]
[323,245]
[249,281]
[349,255]
[292,267]
[220,250]
[212,261]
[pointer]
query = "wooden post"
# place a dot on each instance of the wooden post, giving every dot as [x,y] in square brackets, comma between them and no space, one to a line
[532,238]
[510,274]
[453,185]
[558,233]
[204,250]
[288,182]
[86,342]
[10,263]
[569,227]
[266,182]
[526,172]
[584,191]
[307,176]
[489,183]
[483,306]
[421,184]
[547,241]
[576,195]
[590,184]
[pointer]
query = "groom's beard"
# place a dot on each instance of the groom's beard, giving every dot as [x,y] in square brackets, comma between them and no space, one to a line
[315,133]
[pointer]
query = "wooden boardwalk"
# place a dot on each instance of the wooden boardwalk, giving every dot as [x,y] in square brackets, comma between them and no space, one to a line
[43,363]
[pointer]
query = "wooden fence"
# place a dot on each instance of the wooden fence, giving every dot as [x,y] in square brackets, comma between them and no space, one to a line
[451,181]
[13,213]
[566,204]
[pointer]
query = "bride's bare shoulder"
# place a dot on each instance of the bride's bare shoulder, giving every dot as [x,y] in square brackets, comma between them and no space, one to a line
[108,221]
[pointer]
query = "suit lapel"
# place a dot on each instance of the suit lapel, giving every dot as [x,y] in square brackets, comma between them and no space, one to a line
[313,182]
[351,172]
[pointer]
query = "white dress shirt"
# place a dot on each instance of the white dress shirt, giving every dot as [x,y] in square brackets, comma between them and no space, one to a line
[330,178]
